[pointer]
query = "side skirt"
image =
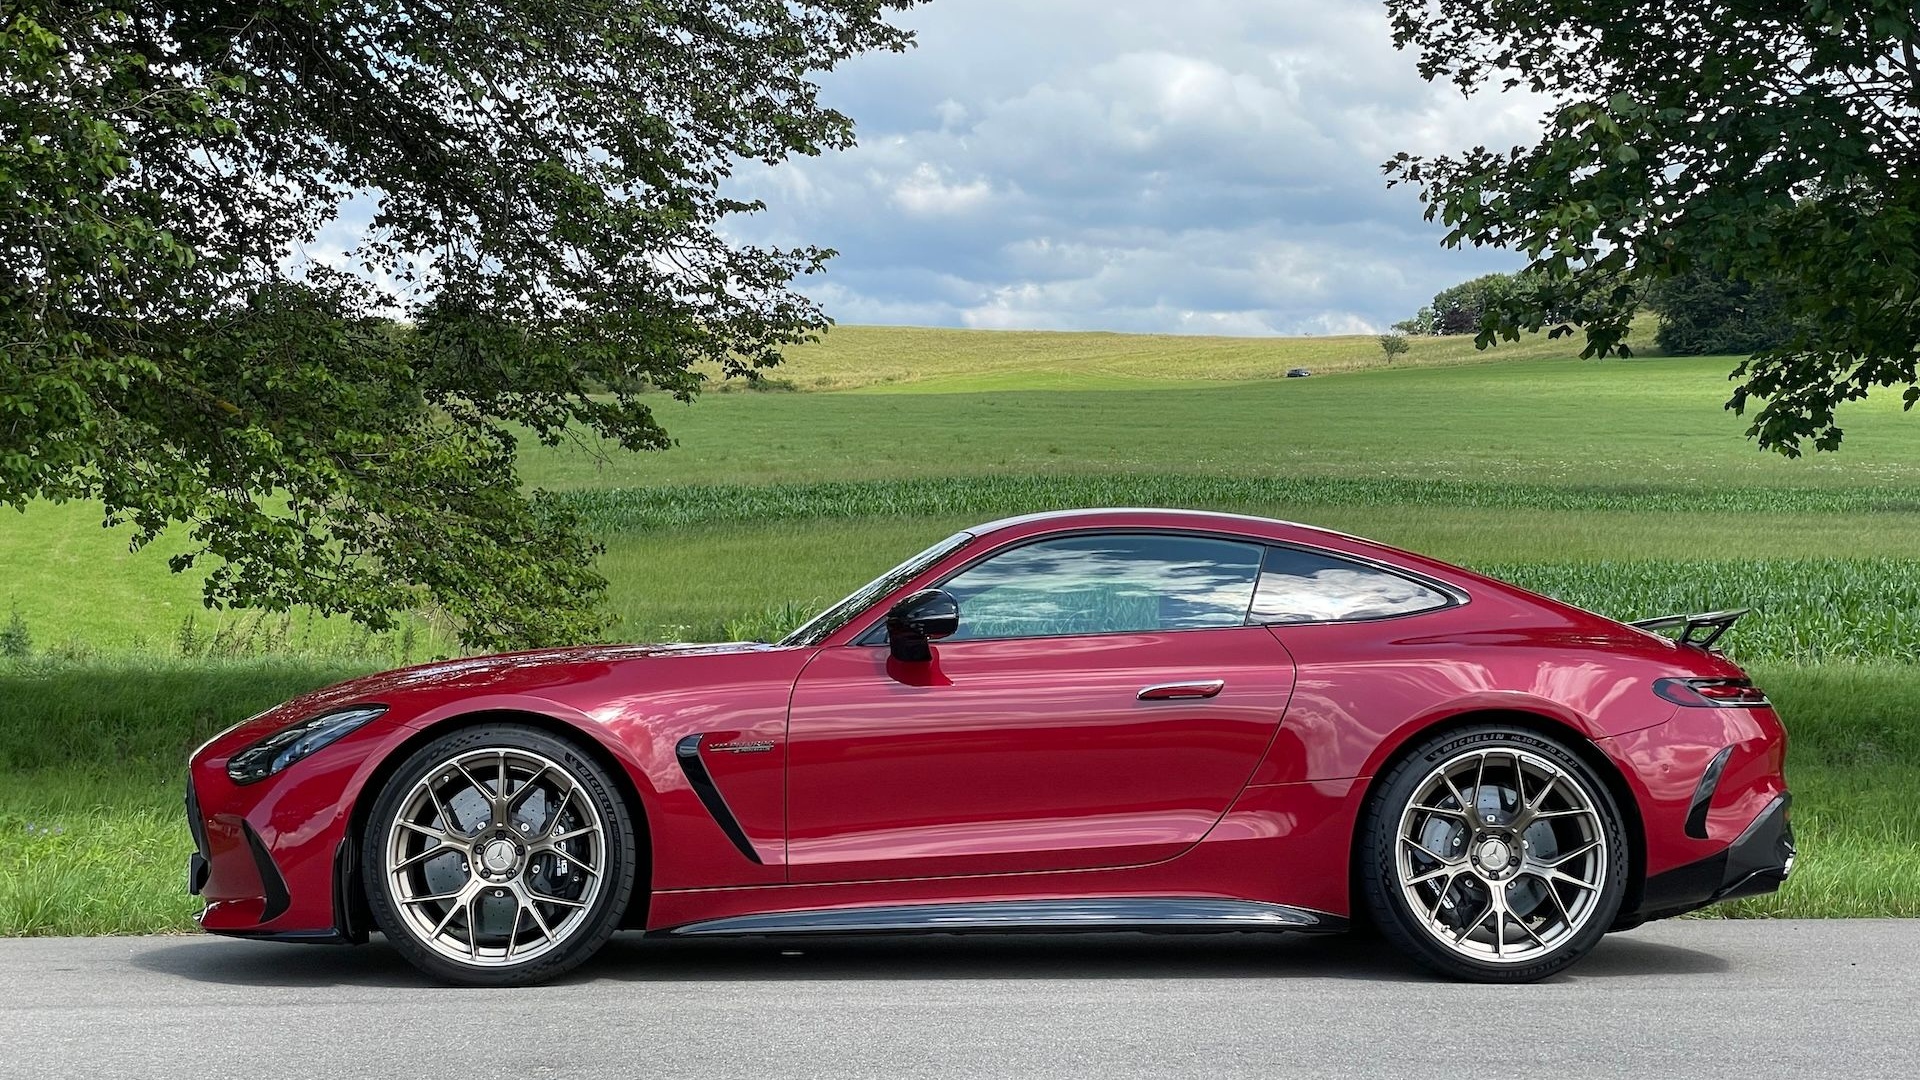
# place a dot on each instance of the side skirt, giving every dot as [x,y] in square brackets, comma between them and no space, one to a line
[1134,913]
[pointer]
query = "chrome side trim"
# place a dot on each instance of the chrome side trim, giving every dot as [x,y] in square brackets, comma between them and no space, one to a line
[1102,913]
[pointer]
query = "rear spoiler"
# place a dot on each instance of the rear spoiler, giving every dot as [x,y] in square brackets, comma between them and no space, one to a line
[1700,631]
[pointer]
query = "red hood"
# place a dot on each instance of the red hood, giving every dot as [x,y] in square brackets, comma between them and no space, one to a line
[475,671]
[502,672]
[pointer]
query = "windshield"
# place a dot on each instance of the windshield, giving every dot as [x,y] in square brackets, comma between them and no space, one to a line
[837,616]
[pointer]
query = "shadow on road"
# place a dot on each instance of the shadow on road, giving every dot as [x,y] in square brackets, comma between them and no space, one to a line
[631,958]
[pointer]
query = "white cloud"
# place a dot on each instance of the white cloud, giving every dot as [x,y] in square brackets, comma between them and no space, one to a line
[926,193]
[1211,166]
[951,113]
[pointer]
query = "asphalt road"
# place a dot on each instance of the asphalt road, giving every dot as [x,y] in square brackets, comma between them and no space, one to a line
[1689,1000]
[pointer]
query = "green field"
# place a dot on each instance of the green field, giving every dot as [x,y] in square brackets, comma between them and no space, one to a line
[891,359]
[1618,485]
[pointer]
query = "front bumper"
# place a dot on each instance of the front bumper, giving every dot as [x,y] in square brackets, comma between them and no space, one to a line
[1756,863]
[258,878]
[267,880]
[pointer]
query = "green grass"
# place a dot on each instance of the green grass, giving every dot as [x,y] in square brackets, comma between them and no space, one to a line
[80,588]
[622,509]
[140,713]
[1654,423]
[85,853]
[92,834]
[1804,609]
[1853,763]
[1621,486]
[898,359]
[680,582]
[666,580]
[1538,460]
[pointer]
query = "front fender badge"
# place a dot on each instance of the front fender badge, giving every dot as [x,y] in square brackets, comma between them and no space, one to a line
[760,746]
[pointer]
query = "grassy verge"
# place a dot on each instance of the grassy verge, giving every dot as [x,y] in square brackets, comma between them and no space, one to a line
[1853,763]
[92,838]
[139,714]
[92,831]
[93,853]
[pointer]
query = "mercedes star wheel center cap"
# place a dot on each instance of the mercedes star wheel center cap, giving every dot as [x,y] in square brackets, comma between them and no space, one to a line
[1493,855]
[498,856]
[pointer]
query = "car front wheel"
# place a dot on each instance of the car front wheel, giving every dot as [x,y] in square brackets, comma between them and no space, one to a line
[498,855]
[1493,854]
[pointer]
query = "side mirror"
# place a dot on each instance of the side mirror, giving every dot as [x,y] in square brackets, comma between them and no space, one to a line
[927,615]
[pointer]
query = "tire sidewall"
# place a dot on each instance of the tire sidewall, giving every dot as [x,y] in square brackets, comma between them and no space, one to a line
[602,919]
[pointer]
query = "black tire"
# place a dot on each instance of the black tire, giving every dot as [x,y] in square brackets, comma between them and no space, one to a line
[576,879]
[1494,860]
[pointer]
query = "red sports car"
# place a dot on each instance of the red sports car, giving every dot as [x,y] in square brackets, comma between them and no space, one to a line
[1091,720]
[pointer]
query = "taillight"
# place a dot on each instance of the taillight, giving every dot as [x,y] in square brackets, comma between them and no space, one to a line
[1711,693]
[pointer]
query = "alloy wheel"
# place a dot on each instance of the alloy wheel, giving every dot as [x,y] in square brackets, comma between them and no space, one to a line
[495,857]
[1501,855]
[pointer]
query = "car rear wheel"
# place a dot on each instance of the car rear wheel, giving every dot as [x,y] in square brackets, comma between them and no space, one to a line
[498,855]
[1494,854]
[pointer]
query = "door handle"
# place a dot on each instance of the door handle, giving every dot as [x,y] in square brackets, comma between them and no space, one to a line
[1178,691]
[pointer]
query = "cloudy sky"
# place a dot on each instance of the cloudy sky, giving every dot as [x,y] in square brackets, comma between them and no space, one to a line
[1185,166]
[1168,166]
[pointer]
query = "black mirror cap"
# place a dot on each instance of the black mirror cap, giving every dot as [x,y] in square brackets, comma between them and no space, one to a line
[925,616]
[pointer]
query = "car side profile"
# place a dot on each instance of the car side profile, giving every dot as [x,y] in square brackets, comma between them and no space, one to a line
[1101,719]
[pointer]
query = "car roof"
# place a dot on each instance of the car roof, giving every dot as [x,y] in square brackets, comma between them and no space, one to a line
[1163,517]
[1246,526]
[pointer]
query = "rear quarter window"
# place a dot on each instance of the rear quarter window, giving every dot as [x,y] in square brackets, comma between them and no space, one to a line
[1300,586]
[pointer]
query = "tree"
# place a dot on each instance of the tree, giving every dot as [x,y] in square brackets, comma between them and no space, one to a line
[1761,142]
[544,179]
[1460,309]
[1394,344]
[1455,309]
[1701,314]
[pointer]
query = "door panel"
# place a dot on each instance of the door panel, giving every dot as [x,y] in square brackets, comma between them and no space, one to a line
[1024,755]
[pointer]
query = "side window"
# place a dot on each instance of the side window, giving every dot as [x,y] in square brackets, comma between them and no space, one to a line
[1304,586]
[1107,584]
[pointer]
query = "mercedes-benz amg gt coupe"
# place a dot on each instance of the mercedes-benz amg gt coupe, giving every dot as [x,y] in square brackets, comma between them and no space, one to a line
[1141,720]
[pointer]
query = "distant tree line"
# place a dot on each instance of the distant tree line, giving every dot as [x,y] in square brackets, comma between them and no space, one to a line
[1460,309]
[1701,313]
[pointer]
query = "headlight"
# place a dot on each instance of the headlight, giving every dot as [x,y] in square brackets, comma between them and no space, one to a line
[290,744]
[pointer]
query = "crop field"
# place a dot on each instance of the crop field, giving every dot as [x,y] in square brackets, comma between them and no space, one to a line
[1621,486]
